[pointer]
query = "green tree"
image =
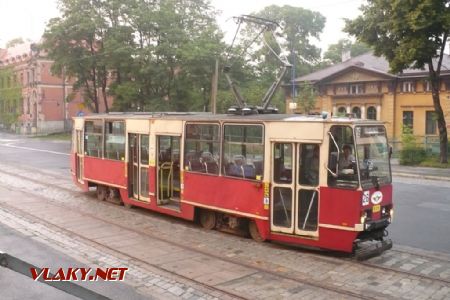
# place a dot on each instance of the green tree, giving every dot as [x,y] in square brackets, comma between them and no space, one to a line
[409,34]
[170,58]
[298,27]
[10,97]
[335,51]
[75,42]
[14,42]
[307,97]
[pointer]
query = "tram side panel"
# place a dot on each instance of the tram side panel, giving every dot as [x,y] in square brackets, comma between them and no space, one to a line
[241,197]
[106,172]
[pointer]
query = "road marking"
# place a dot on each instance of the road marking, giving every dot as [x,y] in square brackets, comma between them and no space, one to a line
[34,149]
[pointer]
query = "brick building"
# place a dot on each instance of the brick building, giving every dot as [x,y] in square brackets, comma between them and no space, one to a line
[364,87]
[31,98]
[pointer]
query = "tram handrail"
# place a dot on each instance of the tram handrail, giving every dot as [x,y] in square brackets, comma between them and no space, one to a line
[166,166]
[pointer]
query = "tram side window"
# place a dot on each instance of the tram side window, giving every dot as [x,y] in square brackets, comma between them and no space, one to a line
[243,151]
[202,148]
[343,172]
[93,138]
[115,140]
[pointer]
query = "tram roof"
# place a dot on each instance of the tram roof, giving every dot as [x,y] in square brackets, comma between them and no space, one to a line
[204,117]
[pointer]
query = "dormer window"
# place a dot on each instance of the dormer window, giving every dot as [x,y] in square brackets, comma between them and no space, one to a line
[407,87]
[356,89]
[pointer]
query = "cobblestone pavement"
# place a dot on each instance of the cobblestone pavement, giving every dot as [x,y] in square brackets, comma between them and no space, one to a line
[174,258]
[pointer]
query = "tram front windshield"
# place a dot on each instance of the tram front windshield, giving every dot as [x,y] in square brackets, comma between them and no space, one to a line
[373,156]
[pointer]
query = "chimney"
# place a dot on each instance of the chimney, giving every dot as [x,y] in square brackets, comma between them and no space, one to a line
[345,55]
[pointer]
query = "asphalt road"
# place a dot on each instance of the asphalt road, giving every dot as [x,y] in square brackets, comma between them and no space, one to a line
[422,207]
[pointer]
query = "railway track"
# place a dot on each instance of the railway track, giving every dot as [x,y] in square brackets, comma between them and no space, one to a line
[290,276]
[72,233]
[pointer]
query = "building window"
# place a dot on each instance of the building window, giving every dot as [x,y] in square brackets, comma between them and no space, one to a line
[115,140]
[357,112]
[408,119]
[243,151]
[202,148]
[371,113]
[342,111]
[430,122]
[427,86]
[356,89]
[407,86]
[93,136]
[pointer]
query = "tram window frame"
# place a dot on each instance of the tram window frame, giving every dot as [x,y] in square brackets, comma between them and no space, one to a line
[95,133]
[202,148]
[240,165]
[121,151]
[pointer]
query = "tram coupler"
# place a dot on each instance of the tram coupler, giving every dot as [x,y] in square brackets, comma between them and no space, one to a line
[372,250]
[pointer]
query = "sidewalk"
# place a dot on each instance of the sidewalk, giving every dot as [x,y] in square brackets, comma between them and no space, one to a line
[419,172]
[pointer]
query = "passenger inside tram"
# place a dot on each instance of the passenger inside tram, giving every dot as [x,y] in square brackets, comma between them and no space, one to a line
[346,160]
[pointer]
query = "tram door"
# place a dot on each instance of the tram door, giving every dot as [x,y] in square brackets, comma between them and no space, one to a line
[79,155]
[138,163]
[295,188]
[168,178]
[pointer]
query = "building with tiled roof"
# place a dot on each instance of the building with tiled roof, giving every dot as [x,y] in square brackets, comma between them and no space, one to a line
[364,87]
[32,100]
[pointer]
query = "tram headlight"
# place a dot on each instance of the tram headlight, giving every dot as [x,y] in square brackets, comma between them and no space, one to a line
[363,217]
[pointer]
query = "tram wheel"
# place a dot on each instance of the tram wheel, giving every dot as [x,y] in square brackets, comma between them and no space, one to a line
[207,219]
[101,192]
[254,232]
[113,196]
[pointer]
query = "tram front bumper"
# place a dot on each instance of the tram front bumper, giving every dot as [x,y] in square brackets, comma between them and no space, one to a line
[375,225]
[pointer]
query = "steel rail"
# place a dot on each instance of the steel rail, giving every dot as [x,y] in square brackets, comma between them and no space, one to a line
[261,269]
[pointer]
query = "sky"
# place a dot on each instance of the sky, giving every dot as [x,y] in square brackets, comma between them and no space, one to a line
[28,18]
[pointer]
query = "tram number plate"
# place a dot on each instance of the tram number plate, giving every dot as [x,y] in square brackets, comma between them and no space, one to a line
[376,208]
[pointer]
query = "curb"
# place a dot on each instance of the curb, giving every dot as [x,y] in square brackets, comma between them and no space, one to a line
[430,177]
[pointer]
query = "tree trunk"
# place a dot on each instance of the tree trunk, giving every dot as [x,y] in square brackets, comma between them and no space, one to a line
[443,139]
[104,86]
[105,99]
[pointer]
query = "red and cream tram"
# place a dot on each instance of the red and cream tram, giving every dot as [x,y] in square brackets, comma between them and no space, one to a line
[306,180]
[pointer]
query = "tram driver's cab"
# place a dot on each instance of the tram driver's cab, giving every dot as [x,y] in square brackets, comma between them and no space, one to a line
[358,156]
[342,165]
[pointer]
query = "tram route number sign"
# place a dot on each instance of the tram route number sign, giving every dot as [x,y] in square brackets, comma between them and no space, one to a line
[266,199]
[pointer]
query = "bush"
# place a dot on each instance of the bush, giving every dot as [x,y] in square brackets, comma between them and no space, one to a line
[412,156]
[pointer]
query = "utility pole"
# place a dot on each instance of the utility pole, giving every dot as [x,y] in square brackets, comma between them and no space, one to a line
[214,84]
